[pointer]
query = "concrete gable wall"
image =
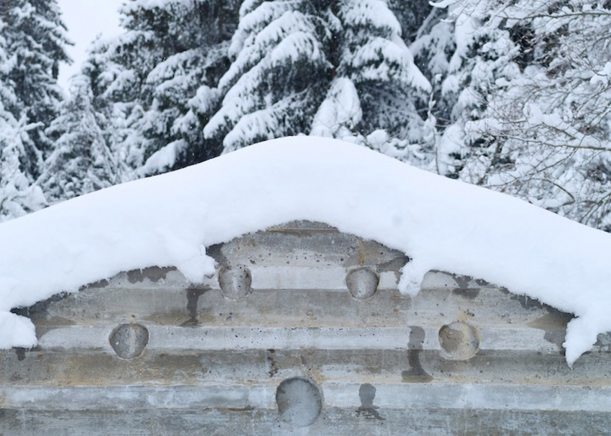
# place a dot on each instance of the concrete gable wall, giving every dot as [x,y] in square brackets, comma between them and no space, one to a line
[302,330]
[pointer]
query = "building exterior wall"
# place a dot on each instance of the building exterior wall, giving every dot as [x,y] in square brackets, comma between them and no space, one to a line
[301,331]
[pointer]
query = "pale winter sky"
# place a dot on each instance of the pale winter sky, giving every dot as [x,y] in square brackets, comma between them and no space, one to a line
[85,20]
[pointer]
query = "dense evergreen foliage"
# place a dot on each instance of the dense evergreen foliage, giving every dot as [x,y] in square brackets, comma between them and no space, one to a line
[531,117]
[32,45]
[83,159]
[157,81]
[512,96]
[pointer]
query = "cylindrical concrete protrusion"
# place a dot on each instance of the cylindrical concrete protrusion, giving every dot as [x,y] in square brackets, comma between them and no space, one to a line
[362,282]
[459,341]
[129,340]
[299,401]
[235,282]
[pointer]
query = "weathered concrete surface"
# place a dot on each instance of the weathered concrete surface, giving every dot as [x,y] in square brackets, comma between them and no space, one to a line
[301,331]
[261,422]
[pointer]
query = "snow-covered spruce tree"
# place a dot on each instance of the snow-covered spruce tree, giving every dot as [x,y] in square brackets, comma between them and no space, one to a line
[336,68]
[82,160]
[280,73]
[161,74]
[18,195]
[378,96]
[32,40]
[472,54]
[434,48]
[412,16]
[35,40]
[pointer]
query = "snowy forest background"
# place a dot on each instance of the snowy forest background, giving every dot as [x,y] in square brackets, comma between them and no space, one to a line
[510,95]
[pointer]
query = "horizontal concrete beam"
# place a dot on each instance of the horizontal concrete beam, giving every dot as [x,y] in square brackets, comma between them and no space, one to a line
[335,394]
[175,339]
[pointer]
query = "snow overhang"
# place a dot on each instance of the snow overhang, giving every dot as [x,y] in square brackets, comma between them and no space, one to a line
[300,326]
[440,224]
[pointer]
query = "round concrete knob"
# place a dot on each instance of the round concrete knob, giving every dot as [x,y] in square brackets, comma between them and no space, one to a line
[459,341]
[362,282]
[299,401]
[129,340]
[235,282]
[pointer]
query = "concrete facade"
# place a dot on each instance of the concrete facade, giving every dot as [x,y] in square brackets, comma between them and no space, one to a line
[301,331]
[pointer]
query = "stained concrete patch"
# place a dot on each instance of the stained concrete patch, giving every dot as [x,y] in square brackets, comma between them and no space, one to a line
[193,294]
[468,293]
[367,393]
[554,325]
[154,274]
[20,352]
[271,359]
[415,373]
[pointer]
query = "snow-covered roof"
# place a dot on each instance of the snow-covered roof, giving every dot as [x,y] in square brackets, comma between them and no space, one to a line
[441,224]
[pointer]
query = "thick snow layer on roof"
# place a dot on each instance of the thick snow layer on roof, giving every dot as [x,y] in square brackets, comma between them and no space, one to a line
[441,224]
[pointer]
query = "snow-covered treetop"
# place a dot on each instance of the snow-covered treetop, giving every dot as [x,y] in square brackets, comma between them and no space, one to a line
[443,224]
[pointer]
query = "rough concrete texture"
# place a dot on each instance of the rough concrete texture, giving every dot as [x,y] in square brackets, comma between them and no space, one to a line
[301,331]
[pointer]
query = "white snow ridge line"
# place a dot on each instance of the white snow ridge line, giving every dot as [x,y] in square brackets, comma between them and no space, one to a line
[441,224]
